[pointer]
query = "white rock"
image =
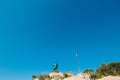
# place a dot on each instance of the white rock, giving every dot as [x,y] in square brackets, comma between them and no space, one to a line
[36,79]
[110,78]
[54,75]
[81,76]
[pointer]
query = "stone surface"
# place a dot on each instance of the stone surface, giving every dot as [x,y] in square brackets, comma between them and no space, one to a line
[36,79]
[110,78]
[56,76]
[81,76]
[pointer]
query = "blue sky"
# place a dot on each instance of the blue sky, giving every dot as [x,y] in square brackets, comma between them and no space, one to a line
[34,34]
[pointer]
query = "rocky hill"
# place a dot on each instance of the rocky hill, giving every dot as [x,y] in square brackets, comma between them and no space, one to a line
[109,71]
[81,76]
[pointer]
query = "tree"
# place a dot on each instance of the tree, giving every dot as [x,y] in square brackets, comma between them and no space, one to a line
[102,70]
[114,68]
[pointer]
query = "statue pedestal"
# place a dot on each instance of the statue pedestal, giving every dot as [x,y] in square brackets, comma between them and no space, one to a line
[56,71]
[56,76]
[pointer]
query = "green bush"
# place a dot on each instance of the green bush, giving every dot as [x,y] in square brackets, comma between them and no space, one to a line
[112,68]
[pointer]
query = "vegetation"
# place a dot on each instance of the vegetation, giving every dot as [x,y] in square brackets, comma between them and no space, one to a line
[91,72]
[67,74]
[112,68]
[42,77]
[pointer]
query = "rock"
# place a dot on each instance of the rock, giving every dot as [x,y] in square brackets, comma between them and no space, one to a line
[56,76]
[110,78]
[36,79]
[81,76]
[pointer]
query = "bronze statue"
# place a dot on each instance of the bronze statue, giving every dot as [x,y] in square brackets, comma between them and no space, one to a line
[55,67]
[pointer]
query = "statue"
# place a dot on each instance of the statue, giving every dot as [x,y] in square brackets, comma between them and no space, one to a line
[55,67]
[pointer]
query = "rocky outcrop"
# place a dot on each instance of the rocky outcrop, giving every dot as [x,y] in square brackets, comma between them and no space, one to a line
[36,79]
[56,76]
[110,78]
[81,76]
[70,76]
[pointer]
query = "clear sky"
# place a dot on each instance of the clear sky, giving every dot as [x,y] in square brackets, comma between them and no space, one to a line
[34,34]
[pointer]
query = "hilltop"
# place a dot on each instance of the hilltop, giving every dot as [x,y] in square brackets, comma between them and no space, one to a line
[110,71]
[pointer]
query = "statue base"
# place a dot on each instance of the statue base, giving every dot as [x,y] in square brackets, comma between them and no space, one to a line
[56,71]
